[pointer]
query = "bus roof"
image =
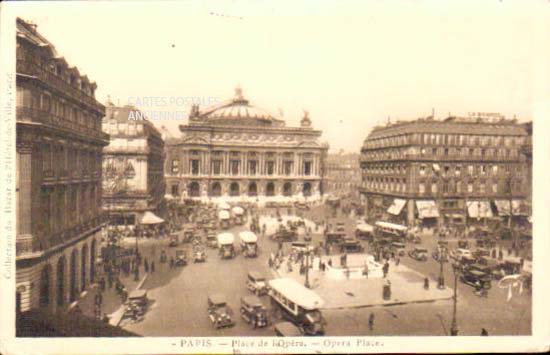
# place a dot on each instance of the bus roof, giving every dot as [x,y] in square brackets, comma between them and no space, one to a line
[398,227]
[224,214]
[248,237]
[297,293]
[225,238]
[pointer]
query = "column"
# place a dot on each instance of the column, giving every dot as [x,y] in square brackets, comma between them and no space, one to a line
[24,183]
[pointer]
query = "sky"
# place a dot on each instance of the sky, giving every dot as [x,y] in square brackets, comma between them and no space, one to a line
[351,64]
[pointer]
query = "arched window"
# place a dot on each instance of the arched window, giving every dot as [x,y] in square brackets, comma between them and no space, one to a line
[287,189]
[60,282]
[45,286]
[216,189]
[234,189]
[252,189]
[193,189]
[307,189]
[270,189]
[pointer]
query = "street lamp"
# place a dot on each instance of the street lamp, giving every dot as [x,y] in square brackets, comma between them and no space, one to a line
[454,326]
[136,270]
[441,278]
[306,283]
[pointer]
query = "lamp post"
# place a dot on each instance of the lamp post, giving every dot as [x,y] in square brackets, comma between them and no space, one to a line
[136,270]
[454,326]
[306,283]
[441,278]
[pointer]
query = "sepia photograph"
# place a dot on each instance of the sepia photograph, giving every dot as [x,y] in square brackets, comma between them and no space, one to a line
[225,174]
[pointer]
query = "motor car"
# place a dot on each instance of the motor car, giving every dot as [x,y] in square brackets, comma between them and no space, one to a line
[287,329]
[256,283]
[419,254]
[302,206]
[458,253]
[254,312]
[476,276]
[351,245]
[481,252]
[398,248]
[181,257]
[219,312]
[463,244]
[284,234]
[340,227]
[335,237]
[199,255]
[211,240]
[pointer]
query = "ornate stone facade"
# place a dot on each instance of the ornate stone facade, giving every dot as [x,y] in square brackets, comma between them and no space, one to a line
[238,151]
[133,162]
[59,142]
[444,170]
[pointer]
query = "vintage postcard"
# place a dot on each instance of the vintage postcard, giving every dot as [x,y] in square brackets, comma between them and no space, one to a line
[274,177]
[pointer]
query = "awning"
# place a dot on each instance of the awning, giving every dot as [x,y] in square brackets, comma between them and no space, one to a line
[479,209]
[397,206]
[503,207]
[224,206]
[224,214]
[238,210]
[520,208]
[150,218]
[389,225]
[365,228]
[427,209]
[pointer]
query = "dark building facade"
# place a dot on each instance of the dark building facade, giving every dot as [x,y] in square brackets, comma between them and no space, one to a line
[133,166]
[343,173]
[431,171]
[58,192]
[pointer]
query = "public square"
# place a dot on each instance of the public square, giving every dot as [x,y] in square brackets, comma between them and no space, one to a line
[186,313]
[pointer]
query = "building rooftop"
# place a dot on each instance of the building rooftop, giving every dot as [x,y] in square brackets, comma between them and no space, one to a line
[452,125]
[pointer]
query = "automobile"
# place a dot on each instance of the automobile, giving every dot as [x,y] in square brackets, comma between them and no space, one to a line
[136,304]
[299,247]
[458,253]
[463,244]
[419,254]
[335,237]
[254,312]
[495,266]
[287,329]
[481,252]
[301,206]
[486,242]
[351,245]
[199,255]
[476,277]
[398,248]
[340,227]
[284,234]
[211,240]
[219,312]
[256,283]
[181,257]
[364,231]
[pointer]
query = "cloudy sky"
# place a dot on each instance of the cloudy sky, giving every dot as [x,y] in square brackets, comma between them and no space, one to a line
[351,64]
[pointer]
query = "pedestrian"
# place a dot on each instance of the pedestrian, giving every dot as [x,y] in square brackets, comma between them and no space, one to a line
[146,265]
[366,270]
[484,332]
[329,262]
[397,261]
[152,266]
[371,321]
[385,269]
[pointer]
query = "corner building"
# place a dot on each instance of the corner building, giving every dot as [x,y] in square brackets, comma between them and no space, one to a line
[133,162]
[58,183]
[237,151]
[446,171]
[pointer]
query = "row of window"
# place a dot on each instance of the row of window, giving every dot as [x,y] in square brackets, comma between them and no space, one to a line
[234,168]
[57,107]
[443,170]
[482,187]
[57,160]
[446,139]
[65,207]
[215,190]
[396,153]
[56,67]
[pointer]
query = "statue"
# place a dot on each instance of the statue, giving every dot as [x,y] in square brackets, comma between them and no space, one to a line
[306,121]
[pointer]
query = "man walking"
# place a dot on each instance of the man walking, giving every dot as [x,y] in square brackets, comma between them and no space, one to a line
[371,321]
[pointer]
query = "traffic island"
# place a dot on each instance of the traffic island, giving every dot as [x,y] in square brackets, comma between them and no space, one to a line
[356,289]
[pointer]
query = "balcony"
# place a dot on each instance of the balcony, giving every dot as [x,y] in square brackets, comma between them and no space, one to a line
[49,78]
[436,158]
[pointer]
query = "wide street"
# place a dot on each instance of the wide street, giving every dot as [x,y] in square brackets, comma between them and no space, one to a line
[179,298]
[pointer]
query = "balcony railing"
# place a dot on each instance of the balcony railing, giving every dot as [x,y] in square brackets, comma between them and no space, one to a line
[438,158]
[56,82]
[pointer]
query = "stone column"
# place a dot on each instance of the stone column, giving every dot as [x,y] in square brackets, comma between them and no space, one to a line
[410,212]
[24,184]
